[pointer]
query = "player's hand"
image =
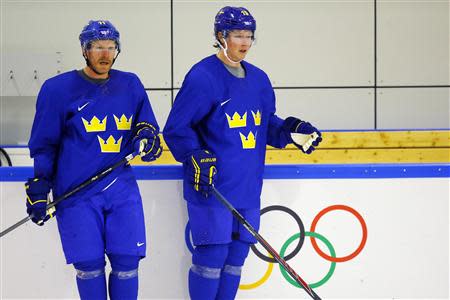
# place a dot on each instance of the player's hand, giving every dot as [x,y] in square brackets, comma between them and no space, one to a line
[305,136]
[37,190]
[202,171]
[147,143]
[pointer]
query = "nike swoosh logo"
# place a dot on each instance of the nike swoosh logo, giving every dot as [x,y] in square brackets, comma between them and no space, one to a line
[224,102]
[140,244]
[81,107]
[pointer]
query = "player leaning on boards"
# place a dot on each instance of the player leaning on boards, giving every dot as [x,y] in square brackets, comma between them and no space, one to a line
[87,120]
[220,123]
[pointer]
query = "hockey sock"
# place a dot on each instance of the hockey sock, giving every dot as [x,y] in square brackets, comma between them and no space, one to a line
[123,279]
[203,282]
[231,272]
[91,279]
[123,285]
[204,275]
[229,282]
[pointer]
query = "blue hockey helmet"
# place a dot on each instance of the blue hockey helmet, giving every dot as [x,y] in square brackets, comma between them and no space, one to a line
[234,18]
[99,30]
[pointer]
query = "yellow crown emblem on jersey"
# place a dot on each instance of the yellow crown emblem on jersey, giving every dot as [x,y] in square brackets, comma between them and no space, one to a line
[123,123]
[257,117]
[236,120]
[95,125]
[248,142]
[110,146]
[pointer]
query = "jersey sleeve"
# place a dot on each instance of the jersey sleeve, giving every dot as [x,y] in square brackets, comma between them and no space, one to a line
[193,103]
[276,136]
[144,114]
[46,132]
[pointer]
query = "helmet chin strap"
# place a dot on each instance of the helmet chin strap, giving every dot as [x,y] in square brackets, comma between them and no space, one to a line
[225,52]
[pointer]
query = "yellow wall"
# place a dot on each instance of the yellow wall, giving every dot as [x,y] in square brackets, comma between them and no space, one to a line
[359,147]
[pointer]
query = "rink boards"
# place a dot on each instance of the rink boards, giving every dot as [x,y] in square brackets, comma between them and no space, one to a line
[376,234]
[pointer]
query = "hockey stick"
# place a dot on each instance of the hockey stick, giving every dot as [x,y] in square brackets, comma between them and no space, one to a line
[265,244]
[100,175]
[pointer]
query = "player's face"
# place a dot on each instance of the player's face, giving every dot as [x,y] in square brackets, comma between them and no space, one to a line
[101,55]
[239,43]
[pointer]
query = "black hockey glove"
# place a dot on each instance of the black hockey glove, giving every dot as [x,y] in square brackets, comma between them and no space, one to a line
[37,199]
[146,142]
[202,171]
[305,136]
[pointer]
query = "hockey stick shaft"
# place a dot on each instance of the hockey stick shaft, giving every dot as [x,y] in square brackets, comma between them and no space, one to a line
[100,175]
[265,244]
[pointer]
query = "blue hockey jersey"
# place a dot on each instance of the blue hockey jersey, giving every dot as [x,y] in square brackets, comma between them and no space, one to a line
[81,127]
[234,118]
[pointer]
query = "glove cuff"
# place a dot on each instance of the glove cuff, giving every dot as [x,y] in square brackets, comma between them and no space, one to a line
[199,152]
[291,124]
[37,186]
[141,127]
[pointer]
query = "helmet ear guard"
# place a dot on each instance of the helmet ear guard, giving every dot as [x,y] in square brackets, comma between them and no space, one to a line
[218,43]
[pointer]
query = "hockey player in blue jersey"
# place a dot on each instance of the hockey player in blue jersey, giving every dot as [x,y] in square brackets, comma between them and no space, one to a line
[221,121]
[86,120]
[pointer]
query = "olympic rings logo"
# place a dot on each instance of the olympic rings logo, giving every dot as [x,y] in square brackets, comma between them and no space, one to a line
[300,236]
